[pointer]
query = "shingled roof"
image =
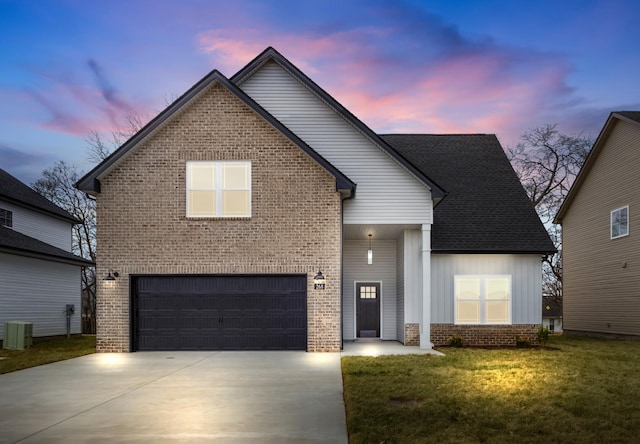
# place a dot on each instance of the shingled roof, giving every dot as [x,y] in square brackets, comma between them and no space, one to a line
[14,242]
[486,209]
[14,191]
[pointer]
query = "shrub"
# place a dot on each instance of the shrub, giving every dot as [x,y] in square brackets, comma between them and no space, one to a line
[543,335]
[522,342]
[456,341]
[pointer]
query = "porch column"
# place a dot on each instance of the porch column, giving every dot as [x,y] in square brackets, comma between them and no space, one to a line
[425,325]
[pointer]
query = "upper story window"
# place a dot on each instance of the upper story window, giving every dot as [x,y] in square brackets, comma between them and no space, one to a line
[482,299]
[6,218]
[620,222]
[219,189]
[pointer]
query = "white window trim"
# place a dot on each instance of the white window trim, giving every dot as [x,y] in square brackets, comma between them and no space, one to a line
[611,223]
[482,299]
[218,188]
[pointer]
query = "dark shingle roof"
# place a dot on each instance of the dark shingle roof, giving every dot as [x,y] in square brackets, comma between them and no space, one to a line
[633,115]
[17,243]
[486,209]
[12,190]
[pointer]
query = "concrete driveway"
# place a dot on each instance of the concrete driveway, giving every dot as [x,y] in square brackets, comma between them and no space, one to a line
[221,397]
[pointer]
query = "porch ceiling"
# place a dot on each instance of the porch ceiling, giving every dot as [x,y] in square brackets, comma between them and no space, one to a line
[383,231]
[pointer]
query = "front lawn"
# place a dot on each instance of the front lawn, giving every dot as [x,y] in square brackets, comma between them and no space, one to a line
[584,391]
[46,351]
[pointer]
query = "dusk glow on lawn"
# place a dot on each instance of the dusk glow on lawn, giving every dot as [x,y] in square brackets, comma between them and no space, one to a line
[70,67]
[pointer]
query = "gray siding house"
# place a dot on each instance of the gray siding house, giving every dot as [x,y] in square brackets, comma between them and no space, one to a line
[39,275]
[219,215]
[601,249]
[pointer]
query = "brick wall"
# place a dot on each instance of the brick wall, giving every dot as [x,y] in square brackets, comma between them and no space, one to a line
[411,334]
[143,228]
[484,335]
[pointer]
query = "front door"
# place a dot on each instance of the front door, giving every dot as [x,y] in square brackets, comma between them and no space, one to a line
[368,310]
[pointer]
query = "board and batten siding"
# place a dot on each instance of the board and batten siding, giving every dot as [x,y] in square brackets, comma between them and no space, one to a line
[48,229]
[400,291]
[382,270]
[601,282]
[37,291]
[386,193]
[526,283]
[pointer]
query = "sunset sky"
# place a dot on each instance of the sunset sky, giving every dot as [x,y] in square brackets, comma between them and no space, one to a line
[445,66]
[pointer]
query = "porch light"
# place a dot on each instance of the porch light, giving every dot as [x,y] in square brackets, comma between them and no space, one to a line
[318,281]
[370,252]
[111,277]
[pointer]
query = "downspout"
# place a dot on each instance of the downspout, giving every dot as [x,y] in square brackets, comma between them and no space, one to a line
[425,330]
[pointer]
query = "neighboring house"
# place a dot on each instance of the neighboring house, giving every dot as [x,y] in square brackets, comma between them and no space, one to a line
[219,213]
[600,249]
[39,275]
[552,314]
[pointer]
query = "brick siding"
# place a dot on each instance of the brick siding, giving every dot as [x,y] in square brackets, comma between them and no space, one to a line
[484,335]
[411,334]
[143,229]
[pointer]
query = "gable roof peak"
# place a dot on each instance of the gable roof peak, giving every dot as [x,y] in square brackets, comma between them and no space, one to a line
[90,183]
[271,54]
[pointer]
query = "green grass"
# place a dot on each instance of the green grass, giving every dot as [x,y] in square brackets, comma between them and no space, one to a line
[582,390]
[46,351]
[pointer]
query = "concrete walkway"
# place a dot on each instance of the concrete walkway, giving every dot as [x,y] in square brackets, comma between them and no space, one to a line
[185,397]
[377,347]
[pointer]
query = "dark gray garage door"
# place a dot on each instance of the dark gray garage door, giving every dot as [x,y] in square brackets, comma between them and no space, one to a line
[219,312]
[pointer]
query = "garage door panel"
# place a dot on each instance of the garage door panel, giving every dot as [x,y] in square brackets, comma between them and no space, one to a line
[220,313]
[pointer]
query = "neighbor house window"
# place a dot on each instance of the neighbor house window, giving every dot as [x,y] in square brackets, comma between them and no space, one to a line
[219,189]
[6,218]
[620,222]
[482,299]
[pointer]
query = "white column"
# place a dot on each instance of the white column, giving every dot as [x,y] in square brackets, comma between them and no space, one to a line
[425,324]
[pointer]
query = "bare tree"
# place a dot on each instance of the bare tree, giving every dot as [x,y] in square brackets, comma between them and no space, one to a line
[547,162]
[57,185]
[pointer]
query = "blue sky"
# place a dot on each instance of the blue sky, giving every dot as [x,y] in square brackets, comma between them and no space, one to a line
[68,67]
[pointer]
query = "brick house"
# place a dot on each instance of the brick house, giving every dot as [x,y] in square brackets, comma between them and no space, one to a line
[219,214]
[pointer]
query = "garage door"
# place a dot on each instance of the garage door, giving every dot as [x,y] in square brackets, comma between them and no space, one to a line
[219,312]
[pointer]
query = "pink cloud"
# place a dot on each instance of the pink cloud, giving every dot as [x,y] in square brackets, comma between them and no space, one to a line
[426,78]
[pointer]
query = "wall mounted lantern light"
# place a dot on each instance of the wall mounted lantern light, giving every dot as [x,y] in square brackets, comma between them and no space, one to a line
[318,281]
[370,252]
[110,276]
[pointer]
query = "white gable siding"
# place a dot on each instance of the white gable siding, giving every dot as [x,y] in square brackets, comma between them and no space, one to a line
[382,270]
[386,192]
[526,283]
[45,228]
[400,302]
[40,300]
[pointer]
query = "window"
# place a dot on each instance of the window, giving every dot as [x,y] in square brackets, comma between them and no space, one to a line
[6,218]
[367,292]
[620,222]
[482,299]
[219,189]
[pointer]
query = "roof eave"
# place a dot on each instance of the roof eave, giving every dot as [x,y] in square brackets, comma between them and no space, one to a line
[20,203]
[590,160]
[90,183]
[48,257]
[542,252]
